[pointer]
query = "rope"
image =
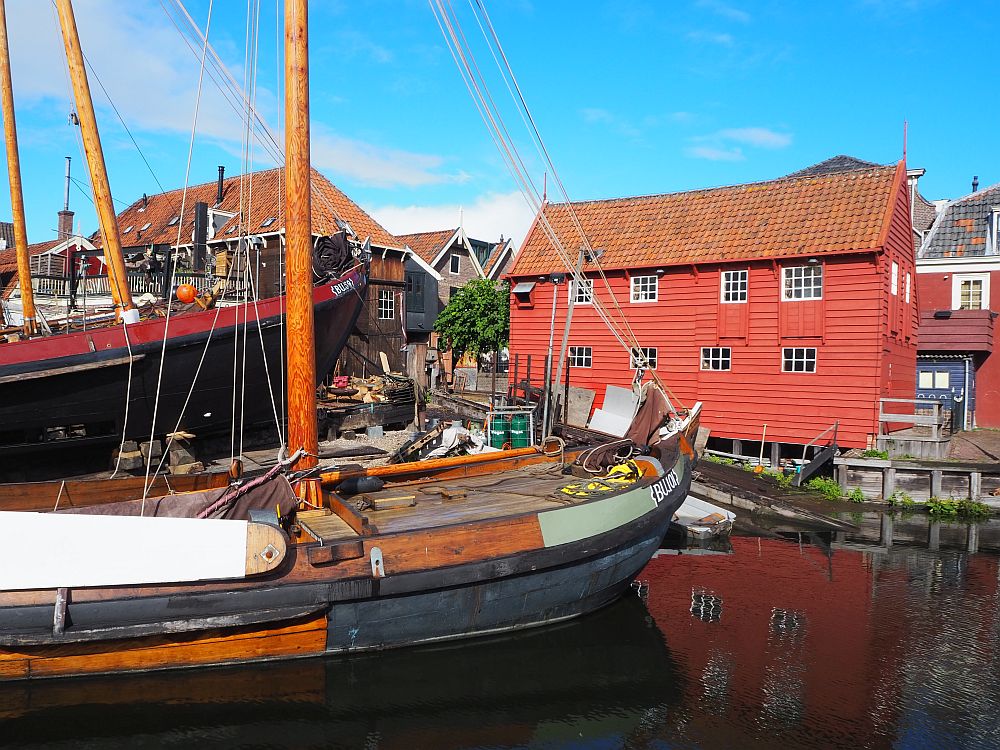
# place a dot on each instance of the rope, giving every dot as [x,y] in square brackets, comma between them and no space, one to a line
[173,271]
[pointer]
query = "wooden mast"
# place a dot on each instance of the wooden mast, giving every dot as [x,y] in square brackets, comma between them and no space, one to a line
[14,172]
[115,262]
[302,427]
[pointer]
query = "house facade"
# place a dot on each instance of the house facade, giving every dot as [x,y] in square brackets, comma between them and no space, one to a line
[958,279]
[788,303]
[443,262]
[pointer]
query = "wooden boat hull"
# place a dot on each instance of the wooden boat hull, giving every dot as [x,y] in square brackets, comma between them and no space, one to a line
[498,575]
[52,386]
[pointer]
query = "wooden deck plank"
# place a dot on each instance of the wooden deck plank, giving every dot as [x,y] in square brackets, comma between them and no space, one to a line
[325,526]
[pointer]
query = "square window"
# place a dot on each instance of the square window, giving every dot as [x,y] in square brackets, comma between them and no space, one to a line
[941,379]
[643,357]
[581,356]
[386,304]
[802,282]
[971,295]
[734,286]
[716,358]
[456,263]
[581,292]
[798,359]
[645,288]
[925,379]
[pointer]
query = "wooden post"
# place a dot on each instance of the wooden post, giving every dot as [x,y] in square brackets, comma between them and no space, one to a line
[888,482]
[886,537]
[302,422]
[975,484]
[936,483]
[117,277]
[775,454]
[842,470]
[14,173]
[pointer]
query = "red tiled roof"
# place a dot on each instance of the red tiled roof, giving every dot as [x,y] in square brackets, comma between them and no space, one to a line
[426,244]
[497,252]
[781,218]
[262,197]
[8,258]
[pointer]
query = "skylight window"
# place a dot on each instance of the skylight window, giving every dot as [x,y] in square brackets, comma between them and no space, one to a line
[145,226]
[231,229]
[173,221]
[129,228]
[268,221]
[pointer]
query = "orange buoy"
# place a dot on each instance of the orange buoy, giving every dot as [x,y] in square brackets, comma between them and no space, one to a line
[186,293]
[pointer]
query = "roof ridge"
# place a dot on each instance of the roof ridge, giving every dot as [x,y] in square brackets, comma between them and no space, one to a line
[736,186]
[431,231]
[207,183]
[977,194]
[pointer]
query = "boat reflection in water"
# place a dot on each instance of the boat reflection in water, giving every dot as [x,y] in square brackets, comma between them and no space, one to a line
[605,679]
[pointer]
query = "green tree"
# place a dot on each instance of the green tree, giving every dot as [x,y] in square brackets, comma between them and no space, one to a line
[476,319]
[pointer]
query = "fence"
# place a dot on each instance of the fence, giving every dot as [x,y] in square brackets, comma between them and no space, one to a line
[139,283]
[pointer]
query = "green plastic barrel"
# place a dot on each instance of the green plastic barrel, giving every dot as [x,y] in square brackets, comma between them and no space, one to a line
[499,430]
[520,437]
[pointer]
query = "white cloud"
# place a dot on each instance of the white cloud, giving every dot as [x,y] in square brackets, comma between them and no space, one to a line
[715,154]
[725,40]
[725,10]
[489,216]
[760,137]
[151,76]
[724,145]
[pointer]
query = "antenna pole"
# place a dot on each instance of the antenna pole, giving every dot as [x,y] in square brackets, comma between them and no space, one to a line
[14,173]
[302,424]
[117,277]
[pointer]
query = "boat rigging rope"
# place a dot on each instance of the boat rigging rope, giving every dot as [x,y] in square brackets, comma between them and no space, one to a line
[173,271]
[479,90]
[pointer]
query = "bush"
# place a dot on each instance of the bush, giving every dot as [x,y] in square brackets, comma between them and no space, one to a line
[900,499]
[856,495]
[972,510]
[828,488]
[942,508]
[872,453]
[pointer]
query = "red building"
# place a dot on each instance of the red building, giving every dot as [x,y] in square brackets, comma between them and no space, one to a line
[958,265]
[789,303]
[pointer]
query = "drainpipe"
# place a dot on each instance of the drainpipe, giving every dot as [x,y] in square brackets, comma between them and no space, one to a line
[965,415]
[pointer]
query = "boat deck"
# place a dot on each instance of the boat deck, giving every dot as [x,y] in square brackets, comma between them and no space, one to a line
[405,506]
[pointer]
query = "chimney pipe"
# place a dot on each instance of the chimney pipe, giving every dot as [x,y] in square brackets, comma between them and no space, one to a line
[975,183]
[64,224]
[218,192]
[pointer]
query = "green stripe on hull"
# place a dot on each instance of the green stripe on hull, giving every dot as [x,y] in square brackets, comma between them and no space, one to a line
[576,522]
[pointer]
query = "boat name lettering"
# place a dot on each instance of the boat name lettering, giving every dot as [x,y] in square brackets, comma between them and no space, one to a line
[342,287]
[663,486]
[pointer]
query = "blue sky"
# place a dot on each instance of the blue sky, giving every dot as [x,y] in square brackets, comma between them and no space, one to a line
[630,97]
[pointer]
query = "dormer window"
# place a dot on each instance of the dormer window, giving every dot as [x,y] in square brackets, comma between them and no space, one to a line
[994,231]
[269,221]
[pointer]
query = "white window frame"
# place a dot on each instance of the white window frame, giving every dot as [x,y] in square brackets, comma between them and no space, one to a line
[925,380]
[582,294]
[716,355]
[795,357]
[455,264]
[386,304]
[639,289]
[994,226]
[649,352]
[894,279]
[909,286]
[799,273]
[956,289]
[580,356]
[735,283]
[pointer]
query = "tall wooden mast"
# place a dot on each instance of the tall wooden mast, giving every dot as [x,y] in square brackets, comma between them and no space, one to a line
[117,278]
[14,171]
[302,427]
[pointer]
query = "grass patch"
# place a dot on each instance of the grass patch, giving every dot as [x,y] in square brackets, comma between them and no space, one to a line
[872,453]
[828,488]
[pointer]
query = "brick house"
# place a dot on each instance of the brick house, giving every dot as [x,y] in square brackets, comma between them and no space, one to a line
[788,303]
[958,273]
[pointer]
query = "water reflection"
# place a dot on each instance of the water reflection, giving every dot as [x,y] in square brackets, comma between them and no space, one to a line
[814,642]
[605,680]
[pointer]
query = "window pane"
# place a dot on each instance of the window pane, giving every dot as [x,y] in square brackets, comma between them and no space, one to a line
[716,358]
[734,286]
[644,288]
[925,379]
[941,379]
[802,282]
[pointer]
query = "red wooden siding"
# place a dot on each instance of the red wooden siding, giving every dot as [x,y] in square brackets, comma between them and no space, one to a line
[857,359]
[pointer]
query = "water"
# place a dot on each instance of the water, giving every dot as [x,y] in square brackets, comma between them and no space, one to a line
[782,643]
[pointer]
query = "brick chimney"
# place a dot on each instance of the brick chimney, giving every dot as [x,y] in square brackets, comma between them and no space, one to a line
[65,224]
